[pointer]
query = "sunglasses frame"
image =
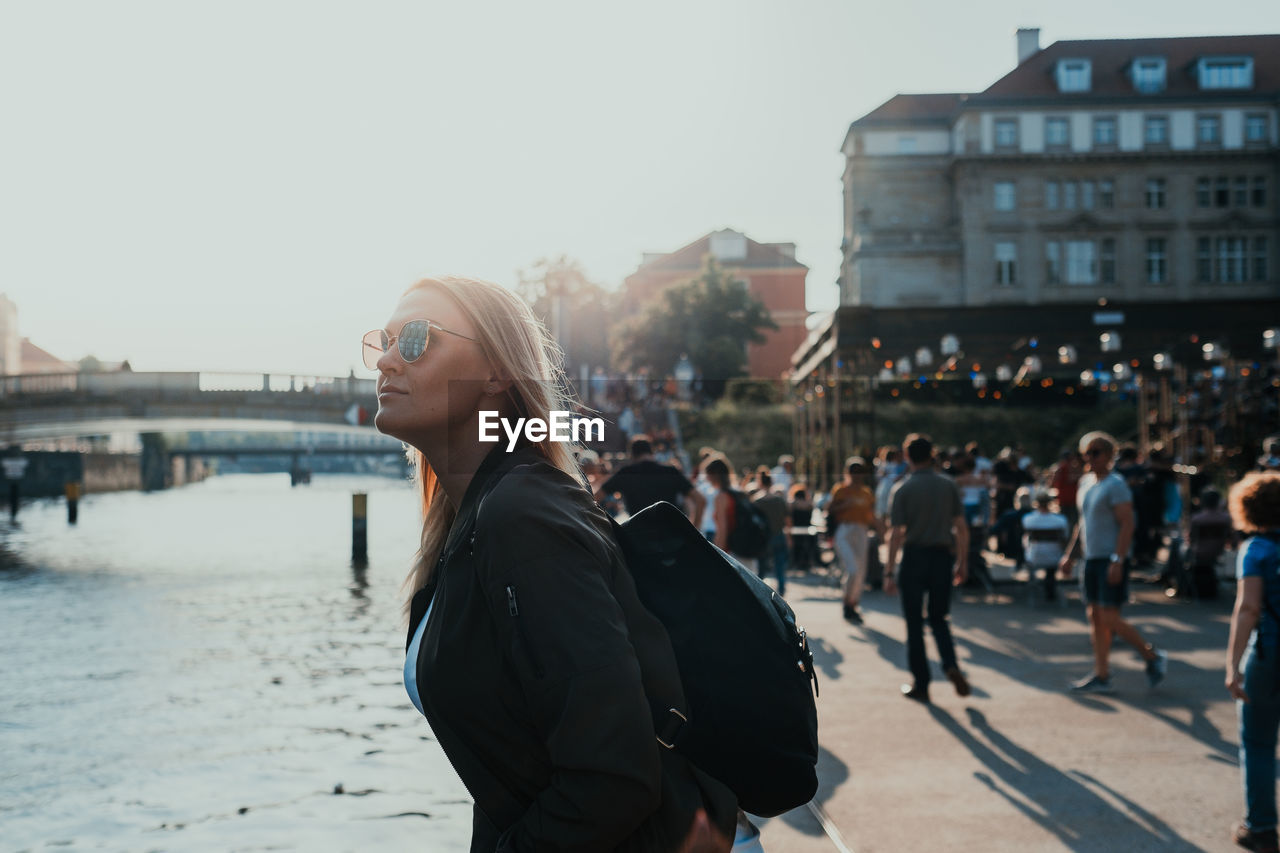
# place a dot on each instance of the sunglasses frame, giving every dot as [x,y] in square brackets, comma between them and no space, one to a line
[395,339]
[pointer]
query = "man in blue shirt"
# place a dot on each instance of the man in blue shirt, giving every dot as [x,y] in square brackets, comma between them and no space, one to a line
[1105,533]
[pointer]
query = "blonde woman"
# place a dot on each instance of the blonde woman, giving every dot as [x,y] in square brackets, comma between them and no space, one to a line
[539,671]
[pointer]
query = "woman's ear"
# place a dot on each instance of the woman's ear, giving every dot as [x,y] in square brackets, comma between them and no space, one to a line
[498,383]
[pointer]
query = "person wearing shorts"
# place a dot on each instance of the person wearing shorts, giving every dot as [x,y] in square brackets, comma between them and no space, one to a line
[1105,535]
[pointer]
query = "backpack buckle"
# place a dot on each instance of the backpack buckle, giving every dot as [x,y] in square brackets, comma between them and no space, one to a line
[671,728]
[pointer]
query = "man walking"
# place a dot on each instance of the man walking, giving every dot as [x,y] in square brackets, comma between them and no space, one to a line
[646,481]
[928,528]
[1105,531]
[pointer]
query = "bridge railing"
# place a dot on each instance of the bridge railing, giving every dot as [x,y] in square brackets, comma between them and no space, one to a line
[132,381]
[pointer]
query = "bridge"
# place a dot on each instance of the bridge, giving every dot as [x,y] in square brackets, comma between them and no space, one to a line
[68,405]
[337,412]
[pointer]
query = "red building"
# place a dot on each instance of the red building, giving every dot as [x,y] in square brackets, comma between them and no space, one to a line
[771,271]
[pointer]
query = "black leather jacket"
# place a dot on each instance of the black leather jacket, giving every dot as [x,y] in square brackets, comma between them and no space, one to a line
[541,674]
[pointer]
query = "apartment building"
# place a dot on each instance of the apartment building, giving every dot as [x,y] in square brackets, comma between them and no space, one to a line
[1139,176]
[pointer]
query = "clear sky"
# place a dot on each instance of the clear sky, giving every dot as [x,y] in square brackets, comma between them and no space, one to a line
[249,185]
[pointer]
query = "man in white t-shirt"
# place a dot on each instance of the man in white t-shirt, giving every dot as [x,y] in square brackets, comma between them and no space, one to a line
[1044,534]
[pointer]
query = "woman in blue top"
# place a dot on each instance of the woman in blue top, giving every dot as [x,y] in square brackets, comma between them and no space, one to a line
[1255,509]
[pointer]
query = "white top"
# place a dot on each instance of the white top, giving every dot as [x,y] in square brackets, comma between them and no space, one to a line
[411,662]
[1044,554]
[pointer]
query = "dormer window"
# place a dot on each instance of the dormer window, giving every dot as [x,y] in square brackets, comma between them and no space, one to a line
[1073,75]
[1148,74]
[1225,72]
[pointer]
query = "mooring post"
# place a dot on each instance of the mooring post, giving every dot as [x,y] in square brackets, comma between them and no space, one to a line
[73,501]
[359,527]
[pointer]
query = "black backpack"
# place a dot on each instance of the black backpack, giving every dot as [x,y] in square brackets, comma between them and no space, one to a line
[745,665]
[750,534]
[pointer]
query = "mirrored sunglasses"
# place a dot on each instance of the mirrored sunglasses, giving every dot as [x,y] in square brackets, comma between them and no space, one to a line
[411,342]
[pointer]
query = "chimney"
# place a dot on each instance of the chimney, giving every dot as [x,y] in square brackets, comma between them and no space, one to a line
[1028,43]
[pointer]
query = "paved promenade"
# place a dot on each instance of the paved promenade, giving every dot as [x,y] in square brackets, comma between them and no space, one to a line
[1020,764]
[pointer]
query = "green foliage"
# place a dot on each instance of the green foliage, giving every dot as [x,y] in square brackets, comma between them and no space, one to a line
[712,318]
[749,434]
[754,434]
[755,392]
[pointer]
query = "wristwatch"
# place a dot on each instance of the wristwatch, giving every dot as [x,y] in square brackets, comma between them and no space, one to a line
[1115,558]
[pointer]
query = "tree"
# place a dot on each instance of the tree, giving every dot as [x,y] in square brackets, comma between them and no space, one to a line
[575,309]
[712,318]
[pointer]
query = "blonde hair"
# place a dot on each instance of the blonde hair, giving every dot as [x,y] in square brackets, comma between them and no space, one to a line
[515,341]
[1099,437]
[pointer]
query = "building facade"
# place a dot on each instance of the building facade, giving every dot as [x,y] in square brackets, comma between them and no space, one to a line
[771,272]
[1107,208]
[1137,170]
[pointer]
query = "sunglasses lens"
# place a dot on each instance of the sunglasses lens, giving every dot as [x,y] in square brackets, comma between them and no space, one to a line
[413,339]
[372,346]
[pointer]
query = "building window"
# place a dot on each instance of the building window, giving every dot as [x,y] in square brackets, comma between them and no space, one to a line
[1104,131]
[1086,195]
[1228,72]
[906,145]
[1051,195]
[1005,196]
[1006,264]
[1157,263]
[1106,194]
[1057,133]
[1069,195]
[1073,75]
[1221,192]
[1255,128]
[1148,74]
[1208,130]
[1204,192]
[1231,266]
[1052,263]
[1006,133]
[1231,259]
[1082,267]
[1155,130]
[1107,268]
[1241,191]
[1155,193]
[1259,191]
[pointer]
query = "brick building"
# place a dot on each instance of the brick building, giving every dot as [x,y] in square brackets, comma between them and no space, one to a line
[771,272]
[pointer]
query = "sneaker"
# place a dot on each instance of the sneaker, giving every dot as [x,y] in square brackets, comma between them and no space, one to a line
[916,694]
[1093,684]
[851,614]
[1157,667]
[961,683]
[1261,842]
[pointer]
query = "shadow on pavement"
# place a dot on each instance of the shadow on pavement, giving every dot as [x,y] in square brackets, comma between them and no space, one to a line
[1068,804]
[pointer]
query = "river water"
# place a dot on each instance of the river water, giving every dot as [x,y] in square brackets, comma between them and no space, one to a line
[202,668]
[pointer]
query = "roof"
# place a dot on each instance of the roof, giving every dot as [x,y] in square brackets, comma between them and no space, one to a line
[915,109]
[759,255]
[34,358]
[1110,60]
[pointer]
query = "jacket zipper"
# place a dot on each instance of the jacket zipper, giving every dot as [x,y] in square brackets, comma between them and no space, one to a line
[513,608]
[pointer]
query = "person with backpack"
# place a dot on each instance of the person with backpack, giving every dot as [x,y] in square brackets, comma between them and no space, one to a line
[1255,637]
[546,681]
[772,503]
[741,528]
